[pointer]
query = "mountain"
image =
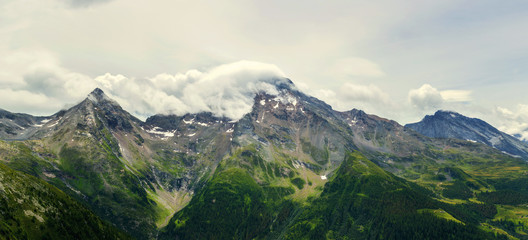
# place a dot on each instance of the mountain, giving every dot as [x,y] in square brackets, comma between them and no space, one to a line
[99,154]
[262,176]
[447,124]
[32,209]
[18,125]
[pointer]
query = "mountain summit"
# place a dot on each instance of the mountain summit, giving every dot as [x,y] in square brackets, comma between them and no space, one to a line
[448,124]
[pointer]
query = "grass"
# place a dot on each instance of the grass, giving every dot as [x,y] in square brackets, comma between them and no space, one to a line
[440,213]
[516,213]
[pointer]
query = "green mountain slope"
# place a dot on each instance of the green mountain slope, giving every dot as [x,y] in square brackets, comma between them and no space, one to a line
[365,202]
[33,209]
[232,205]
[282,169]
[361,201]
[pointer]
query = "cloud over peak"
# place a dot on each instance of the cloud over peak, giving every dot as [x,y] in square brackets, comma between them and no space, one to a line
[226,90]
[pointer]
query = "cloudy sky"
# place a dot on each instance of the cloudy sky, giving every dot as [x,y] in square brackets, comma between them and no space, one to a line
[397,59]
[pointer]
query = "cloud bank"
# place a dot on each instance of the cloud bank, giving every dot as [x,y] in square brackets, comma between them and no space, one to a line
[32,81]
[227,90]
[514,121]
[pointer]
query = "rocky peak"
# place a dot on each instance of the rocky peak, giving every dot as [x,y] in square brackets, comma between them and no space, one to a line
[445,113]
[448,124]
[98,97]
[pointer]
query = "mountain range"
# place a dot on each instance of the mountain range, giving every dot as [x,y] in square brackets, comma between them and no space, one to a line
[291,168]
[447,124]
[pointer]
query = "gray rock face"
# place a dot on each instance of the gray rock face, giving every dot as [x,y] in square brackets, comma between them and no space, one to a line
[446,124]
[18,126]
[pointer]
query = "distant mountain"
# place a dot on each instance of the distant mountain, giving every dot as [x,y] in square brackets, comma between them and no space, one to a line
[447,124]
[18,125]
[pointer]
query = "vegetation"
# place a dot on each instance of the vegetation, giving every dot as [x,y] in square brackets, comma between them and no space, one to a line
[231,206]
[33,209]
[279,179]
[365,202]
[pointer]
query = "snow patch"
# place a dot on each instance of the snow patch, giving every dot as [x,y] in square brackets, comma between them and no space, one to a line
[202,124]
[192,134]
[495,140]
[263,102]
[55,123]
[166,134]
[323,177]
[230,130]
[452,115]
[188,122]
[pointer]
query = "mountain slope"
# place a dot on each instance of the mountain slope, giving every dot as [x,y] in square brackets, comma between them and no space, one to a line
[281,154]
[361,201]
[18,126]
[33,209]
[445,124]
[98,153]
[364,202]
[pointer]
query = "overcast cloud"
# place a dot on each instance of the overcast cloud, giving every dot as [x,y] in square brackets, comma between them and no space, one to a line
[397,59]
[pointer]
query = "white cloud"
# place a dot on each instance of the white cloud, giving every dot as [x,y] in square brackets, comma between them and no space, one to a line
[425,97]
[428,97]
[369,98]
[363,93]
[326,95]
[84,3]
[32,81]
[28,102]
[396,43]
[357,67]
[456,95]
[227,90]
[513,121]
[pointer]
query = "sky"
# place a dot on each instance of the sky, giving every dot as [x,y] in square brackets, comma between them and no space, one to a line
[397,59]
